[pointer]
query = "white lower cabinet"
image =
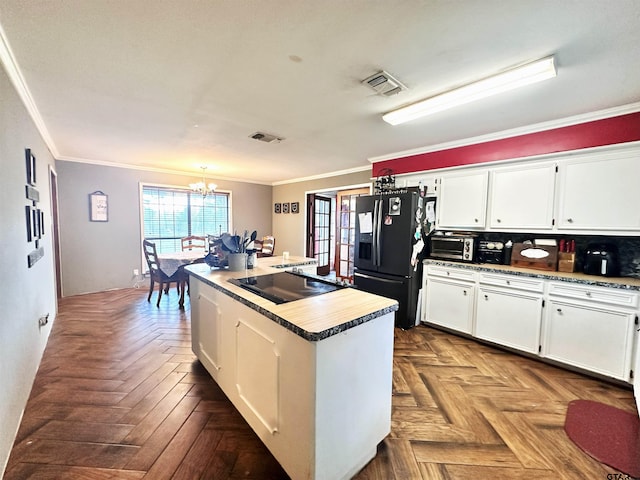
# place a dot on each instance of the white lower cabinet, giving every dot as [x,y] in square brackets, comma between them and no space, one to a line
[593,335]
[589,327]
[509,318]
[450,298]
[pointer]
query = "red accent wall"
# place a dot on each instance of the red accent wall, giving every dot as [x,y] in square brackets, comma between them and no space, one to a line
[608,131]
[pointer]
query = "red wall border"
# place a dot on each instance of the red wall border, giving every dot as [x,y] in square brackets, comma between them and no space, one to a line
[608,131]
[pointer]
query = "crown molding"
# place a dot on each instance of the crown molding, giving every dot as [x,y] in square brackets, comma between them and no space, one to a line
[128,166]
[15,76]
[324,175]
[514,132]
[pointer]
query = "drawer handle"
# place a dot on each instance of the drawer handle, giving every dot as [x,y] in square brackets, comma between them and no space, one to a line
[486,297]
[559,310]
[570,220]
[475,220]
[464,292]
[588,294]
[498,220]
[448,274]
[508,282]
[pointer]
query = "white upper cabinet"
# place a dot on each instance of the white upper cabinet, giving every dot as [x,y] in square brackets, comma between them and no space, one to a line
[600,192]
[463,201]
[522,197]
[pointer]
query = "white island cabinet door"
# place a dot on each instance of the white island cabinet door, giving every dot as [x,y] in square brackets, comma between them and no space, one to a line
[522,197]
[600,193]
[463,201]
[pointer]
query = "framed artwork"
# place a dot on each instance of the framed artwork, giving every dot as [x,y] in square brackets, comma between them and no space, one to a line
[295,207]
[277,207]
[98,207]
[285,208]
[30,160]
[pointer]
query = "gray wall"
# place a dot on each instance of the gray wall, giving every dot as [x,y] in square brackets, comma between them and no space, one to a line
[26,293]
[98,256]
[289,229]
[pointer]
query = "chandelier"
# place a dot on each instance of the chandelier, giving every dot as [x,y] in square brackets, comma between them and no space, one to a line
[202,187]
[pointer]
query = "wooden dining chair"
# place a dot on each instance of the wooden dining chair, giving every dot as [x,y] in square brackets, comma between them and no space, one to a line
[268,246]
[193,242]
[156,274]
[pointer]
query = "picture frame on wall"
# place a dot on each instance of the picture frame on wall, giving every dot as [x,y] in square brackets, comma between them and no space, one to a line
[295,207]
[30,161]
[98,207]
[277,207]
[285,207]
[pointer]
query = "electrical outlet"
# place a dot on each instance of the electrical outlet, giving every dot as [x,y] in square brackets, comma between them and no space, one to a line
[136,272]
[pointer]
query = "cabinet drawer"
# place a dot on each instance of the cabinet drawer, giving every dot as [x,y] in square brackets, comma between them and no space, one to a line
[612,296]
[452,273]
[512,281]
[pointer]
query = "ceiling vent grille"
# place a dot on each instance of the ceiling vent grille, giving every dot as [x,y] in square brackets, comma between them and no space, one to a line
[266,137]
[384,84]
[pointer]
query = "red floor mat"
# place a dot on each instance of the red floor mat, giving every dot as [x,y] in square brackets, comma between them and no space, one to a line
[608,434]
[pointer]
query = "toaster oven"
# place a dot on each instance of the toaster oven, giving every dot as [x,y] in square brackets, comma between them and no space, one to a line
[461,247]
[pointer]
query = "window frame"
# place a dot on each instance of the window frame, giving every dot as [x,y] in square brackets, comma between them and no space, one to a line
[142,185]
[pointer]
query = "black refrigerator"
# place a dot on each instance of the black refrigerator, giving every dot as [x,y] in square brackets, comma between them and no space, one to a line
[391,231]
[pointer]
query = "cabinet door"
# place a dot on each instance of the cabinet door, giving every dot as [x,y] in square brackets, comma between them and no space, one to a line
[522,197]
[450,304]
[463,201]
[509,318]
[589,337]
[600,193]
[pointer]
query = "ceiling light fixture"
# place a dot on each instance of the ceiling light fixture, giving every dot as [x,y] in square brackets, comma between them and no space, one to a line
[517,77]
[202,187]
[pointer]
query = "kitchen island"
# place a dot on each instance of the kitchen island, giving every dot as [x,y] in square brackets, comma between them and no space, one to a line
[312,377]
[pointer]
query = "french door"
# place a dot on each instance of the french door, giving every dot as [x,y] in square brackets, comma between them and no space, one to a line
[346,238]
[319,231]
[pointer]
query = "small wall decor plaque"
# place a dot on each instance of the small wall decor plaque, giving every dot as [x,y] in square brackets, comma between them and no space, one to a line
[277,207]
[295,207]
[285,208]
[98,206]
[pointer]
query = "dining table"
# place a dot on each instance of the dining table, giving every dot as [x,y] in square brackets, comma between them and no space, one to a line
[171,262]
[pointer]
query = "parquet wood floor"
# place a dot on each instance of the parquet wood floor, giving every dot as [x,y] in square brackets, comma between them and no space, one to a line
[119,395]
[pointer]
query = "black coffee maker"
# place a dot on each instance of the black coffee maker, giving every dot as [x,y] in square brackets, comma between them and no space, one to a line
[601,259]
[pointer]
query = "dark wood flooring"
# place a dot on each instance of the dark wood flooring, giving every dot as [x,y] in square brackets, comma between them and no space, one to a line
[119,395]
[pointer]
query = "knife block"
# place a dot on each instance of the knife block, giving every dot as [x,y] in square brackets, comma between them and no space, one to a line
[566,262]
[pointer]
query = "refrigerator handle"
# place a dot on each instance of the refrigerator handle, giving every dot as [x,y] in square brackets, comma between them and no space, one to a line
[378,232]
[374,253]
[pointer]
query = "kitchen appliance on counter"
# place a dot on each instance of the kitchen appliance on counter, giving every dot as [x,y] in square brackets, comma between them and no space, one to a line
[491,252]
[391,233]
[454,246]
[601,259]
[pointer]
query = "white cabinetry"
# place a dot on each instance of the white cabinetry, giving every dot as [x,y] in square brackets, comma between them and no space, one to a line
[463,201]
[600,192]
[450,297]
[509,311]
[522,197]
[591,328]
[320,407]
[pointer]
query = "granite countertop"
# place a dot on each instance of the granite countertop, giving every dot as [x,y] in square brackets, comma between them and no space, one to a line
[627,283]
[313,318]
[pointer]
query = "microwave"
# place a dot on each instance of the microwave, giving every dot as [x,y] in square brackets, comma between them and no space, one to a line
[461,247]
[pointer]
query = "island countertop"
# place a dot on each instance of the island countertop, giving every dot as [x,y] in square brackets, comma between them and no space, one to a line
[313,318]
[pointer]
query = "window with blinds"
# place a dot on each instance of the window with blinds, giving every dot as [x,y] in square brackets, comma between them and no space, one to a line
[172,213]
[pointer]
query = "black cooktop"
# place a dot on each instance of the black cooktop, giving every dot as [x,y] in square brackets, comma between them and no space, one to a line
[285,287]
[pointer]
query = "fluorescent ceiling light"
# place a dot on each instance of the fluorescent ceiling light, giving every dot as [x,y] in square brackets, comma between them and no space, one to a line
[514,78]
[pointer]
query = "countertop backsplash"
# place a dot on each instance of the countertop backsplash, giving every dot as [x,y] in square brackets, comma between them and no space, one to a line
[628,247]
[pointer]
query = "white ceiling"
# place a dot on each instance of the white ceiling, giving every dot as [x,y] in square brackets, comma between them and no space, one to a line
[175,84]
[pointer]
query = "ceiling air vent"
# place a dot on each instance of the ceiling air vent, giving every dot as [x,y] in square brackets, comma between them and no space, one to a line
[265,137]
[384,84]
